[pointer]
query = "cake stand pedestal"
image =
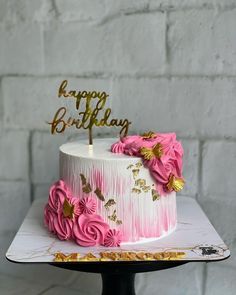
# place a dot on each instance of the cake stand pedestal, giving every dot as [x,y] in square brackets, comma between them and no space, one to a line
[195,236]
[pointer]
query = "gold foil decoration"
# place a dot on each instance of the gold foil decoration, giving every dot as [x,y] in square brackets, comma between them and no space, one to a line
[136,190]
[113,217]
[83,179]
[99,194]
[68,209]
[86,187]
[135,172]
[120,256]
[175,183]
[60,257]
[139,164]
[140,182]
[130,166]
[146,188]
[155,195]
[109,203]
[149,135]
[150,153]
[118,222]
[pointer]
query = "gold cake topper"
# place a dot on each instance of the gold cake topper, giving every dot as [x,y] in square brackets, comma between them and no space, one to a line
[89,117]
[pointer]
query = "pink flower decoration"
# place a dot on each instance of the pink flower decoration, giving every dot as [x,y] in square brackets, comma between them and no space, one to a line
[57,194]
[49,216]
[113,238]
[87,205]
[89,230]
[63,227]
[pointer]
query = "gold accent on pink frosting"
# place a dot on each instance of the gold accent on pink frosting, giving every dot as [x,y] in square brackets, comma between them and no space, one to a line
[175,183]
[148,135]
[68,209]
[150,153]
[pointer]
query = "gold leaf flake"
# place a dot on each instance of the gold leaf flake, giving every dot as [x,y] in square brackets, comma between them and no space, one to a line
[146,188]
[109,203]
[155,195]
[83,179]
[140,182]
[130,166]
[135,172]
[99,194]
[175,183]
[68,209]
[118,222]
[136,190]
[87,188]
[113,217]
[150,153]
[148,135]
[139,164]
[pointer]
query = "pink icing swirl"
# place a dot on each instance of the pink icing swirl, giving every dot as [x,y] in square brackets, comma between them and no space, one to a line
[118,147]
[113,238]
[57,194]
[63,227]
[89,230]
[49,216]
[170,162]
[87,205]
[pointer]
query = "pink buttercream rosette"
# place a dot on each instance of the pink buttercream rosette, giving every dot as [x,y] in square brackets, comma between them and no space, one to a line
[69,217]
[163,167]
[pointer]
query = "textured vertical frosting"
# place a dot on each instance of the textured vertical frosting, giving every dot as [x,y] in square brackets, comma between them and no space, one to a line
[124,190]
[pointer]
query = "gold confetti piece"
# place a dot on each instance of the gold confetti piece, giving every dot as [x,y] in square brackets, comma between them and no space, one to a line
[155,195]
[175,183]
[148,135]
[118,222]
[146,188]
[130,166]
[136,190]
[135,172]
[139,164]
[87,188]
[140,182]
[68,209]
[99,194]
[83,179]
[109,203]
[113,217]
[150,153]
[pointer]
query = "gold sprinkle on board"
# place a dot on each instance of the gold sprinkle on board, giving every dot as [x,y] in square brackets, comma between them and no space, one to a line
[99,194]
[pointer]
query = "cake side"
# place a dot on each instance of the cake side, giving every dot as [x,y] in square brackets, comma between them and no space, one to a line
[127,199]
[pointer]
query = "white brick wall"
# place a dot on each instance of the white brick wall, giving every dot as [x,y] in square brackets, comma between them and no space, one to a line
[168,65]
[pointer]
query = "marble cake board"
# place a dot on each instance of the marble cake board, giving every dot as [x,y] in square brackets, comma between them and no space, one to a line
[194,235]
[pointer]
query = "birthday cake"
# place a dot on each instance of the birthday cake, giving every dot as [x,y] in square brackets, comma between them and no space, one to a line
[116,191]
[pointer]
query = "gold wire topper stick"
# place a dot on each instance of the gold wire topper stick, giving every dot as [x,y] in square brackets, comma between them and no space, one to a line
[92,115]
